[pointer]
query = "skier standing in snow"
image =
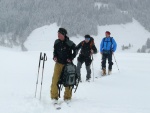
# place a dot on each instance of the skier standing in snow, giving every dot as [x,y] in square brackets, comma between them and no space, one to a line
[87,49]
[64,52]
[107,48]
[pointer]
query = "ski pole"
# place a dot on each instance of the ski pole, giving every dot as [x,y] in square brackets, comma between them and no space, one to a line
[93,67]
[116,62]
[41,58]
[77,86]
[44,59]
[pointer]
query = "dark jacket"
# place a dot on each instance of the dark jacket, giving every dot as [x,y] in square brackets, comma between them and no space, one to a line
[64,50]
[86,48]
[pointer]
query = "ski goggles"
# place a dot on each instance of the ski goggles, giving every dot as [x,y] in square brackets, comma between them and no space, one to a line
[87,39]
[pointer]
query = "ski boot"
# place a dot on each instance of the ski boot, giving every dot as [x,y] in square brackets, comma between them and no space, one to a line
[109,71]
[103,72]
[88,79]
[54,101]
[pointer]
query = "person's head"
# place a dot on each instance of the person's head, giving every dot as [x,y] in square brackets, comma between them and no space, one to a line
[87,38]
[107,33]
[62,33]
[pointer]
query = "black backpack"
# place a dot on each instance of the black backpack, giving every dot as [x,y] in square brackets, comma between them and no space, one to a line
[68,77]
[91,42]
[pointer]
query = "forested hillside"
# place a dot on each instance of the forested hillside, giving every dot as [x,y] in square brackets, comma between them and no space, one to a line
[20,17]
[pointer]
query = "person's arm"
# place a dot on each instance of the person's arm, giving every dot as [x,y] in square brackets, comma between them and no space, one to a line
[78,47]
[101,45]
[55,51]
[94,49]
[74,51]
[114,45]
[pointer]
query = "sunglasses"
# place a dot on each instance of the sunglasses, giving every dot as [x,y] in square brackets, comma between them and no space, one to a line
[87,38]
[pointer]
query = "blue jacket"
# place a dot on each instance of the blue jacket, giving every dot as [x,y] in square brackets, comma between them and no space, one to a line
[108,44]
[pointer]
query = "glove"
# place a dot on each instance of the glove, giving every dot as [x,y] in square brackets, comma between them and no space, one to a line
[92,52]
[55,59]
[77,80]
[68,60]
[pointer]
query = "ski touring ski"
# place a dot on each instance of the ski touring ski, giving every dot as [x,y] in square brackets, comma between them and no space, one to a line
[68,103]
[57,106]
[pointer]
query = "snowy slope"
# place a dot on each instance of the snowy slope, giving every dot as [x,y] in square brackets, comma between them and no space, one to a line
[42,39]
[132,33]
[126,91]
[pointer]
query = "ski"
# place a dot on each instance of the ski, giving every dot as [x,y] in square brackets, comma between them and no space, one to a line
[67,103]
[57,106]
[88,81]
[102,76]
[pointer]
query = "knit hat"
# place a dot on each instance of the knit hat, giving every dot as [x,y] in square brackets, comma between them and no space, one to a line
[63,31]
[107,32]
[87,36]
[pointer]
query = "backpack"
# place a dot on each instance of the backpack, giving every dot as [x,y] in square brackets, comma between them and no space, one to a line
[91,42]
[68,77]
[107,52]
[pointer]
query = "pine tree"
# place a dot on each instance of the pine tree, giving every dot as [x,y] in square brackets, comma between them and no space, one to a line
[148,43]
[143,50]
[123,47]
[129,45]
[138,50]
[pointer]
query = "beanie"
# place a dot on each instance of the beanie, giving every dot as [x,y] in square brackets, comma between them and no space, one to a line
[107,32]
[63,31]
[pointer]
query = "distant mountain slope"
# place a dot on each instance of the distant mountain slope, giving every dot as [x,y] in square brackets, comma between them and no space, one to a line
[42,39]
[20,17]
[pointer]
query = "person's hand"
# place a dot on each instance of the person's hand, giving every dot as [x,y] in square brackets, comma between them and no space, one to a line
[68,60]
[55,59]
[77,80]
[92,51]
[112,52]
[101,53]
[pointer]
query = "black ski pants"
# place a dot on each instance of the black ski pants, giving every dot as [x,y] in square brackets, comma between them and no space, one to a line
[106,56]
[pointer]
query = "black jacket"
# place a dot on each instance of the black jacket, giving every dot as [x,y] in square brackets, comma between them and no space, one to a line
[86,48]
[64,50]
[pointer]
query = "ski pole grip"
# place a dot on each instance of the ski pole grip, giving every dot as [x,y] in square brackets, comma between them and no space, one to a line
[45,57]
[41,58]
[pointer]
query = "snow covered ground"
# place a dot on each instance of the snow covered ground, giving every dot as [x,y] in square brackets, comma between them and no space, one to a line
[126,91]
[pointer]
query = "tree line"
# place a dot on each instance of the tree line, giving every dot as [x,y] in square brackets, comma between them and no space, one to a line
[20,17]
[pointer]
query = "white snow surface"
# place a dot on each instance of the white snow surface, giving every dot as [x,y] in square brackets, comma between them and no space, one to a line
[126,91]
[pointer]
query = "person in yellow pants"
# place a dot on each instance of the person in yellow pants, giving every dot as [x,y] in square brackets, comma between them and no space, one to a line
[54,89]
[64,52]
